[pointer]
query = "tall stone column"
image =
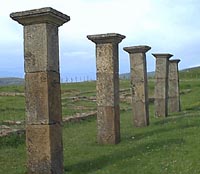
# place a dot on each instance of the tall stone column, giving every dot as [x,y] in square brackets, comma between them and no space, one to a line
[107,64]
[139,84]
[42,89]
[161,84]
[173,92]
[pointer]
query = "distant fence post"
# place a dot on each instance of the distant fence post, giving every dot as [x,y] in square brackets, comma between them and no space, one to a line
[174,92]
[161,84]
[42,89]
[108,112]
[139,84]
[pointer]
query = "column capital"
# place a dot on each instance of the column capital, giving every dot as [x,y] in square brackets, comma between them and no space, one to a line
[106,38]
[137,49]
[162,55]
[42,15]
[174,61]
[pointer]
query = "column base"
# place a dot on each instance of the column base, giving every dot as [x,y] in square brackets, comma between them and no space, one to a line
[44,149]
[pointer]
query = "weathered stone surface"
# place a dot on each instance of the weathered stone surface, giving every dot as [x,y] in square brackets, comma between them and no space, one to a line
[107,89]
[41,48]
[108,117]
[162,66]
[108,58]
[108,124]
[160,89]
[160,107]
[173,93]
[44,149]
[43,98]
[161,84]
[139,85]
[140,115]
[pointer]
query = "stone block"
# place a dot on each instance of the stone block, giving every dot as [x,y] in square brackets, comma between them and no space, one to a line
[107,89]
[41,48]
[174,104]
[161,88]
[173,88]
[108,125]
[161,68]
[107,58]
[44,149]
[138,74]
[140,111]
[139,92]
[43,98]
[161,107]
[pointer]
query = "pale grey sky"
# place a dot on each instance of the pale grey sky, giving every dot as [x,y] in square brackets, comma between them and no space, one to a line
[167,26]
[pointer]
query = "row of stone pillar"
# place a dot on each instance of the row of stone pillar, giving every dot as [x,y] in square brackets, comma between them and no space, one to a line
[43,95]
[167,97]
[108,111]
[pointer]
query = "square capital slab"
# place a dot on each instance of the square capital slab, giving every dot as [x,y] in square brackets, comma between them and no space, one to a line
[162,55]
[137,49]
[106,38]
[42,15]
[174,61]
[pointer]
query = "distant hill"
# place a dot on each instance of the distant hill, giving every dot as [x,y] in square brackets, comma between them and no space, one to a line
[197,68]
[11,81]
[188,73]
[193,72]
[127,75]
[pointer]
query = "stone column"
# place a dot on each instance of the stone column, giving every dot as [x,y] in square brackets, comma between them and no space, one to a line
[107,63]
[174,93]
[139,84]
[42,89]
[161,84]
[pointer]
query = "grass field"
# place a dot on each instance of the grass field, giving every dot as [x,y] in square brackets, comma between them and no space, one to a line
[167,146]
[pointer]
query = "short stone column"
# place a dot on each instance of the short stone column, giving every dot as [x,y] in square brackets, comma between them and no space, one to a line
[161,84]
[107,63]
[42,89]
[139,84]
[173,92]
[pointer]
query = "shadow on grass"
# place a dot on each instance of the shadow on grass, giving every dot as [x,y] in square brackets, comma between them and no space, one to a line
[86,166]
[12,141]
[194,108]
[9,109]
[174,119]
[176,123]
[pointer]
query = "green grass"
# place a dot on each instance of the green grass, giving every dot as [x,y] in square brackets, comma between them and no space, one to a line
[190,73]
[12,155]
[12,108]
[14,88]
[166,146]
[169,145]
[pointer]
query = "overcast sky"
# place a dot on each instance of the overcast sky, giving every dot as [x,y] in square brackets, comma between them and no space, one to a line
[166,26]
